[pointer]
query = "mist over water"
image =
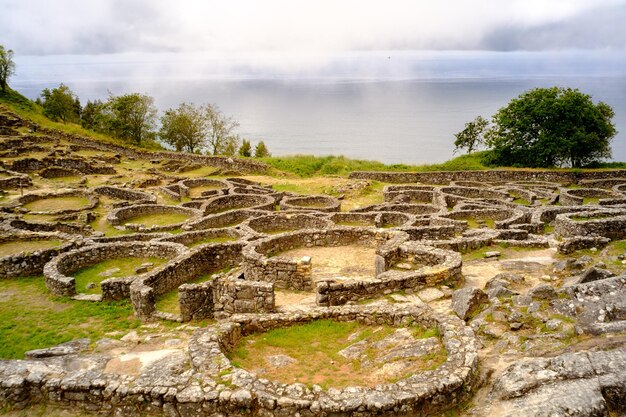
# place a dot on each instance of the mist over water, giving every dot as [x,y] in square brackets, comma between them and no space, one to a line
[392,107]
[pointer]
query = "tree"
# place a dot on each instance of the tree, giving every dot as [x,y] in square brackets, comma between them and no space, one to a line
[61,104]
[261,151]
[94,116]
[246,149]
[472,136]
[231,145]
[220,129]
[547,127]
[185,128]
[7,67]
[131,117]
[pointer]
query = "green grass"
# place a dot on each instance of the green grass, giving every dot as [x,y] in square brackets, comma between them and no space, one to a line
[309,165]
[521,201]
[315,346]
[473,223]
[57,203]
[18,246]
[585,218]
[126,268]
[158,219]
[30,318]
[591,200]
[505,251]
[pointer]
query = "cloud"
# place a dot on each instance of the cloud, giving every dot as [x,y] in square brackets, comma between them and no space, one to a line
[602,29]
[306,28]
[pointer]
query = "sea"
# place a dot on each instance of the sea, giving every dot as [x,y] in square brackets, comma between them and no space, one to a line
[390,106]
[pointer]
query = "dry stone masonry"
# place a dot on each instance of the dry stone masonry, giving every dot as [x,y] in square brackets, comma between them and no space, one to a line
[227,266]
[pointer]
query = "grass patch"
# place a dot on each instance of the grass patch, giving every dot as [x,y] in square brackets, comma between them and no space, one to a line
[591,200]
[18,246]
[315,346]
[125,266]
[586,218]
[149,220]
[473,223]
[57,203]
[309,165]
[522,201]
[505,251]
[30,318]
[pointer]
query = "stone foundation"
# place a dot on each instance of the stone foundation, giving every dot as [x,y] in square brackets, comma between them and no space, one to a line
[57,271]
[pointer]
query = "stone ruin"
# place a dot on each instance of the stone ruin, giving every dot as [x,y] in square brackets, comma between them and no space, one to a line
[230,261]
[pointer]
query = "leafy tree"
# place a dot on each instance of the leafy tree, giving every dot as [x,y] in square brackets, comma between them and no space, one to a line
[7,67]
[185,128]
[231,145]
[94,116]
[546,127]
[220,129]
[261,151]
[61,104]
[472,136]
[246,149]
[131,117]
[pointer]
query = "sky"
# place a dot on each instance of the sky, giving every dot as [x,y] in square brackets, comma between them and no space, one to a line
[308,29]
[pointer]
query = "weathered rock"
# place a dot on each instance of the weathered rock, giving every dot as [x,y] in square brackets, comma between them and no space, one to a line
[542,292]
[594,274]
[67,348]
[467,301]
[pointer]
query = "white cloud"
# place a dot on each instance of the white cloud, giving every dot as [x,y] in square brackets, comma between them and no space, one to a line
[250,26]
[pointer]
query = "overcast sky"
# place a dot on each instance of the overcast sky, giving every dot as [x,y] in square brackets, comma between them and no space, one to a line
[49,27]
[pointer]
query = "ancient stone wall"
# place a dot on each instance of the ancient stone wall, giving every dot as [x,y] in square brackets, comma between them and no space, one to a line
[30,263]
[119,193]
[205,259]
[34,196]
[238,201]
[57,272]
[435,266]
[118,216]
[445,177]
[322,203]
[609,223]
[260,264]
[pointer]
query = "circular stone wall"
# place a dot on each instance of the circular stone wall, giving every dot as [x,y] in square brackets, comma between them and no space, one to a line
[314,202]
[262,260]
[125,215]
[421,393]
[238,201]
[57,272]
[57,201]
[281,222]
[25,254]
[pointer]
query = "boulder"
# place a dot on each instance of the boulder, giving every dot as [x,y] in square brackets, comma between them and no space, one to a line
[467,301]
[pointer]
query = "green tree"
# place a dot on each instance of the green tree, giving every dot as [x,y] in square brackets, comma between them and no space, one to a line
[94,116]
[61,104]
[246,149]
[231,145]
[261,151]
[185,128]
[472,136]
[132,117]
[220,129]
[547,127]
[7,67]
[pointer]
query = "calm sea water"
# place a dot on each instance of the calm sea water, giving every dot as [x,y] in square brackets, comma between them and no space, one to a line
[402,109]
